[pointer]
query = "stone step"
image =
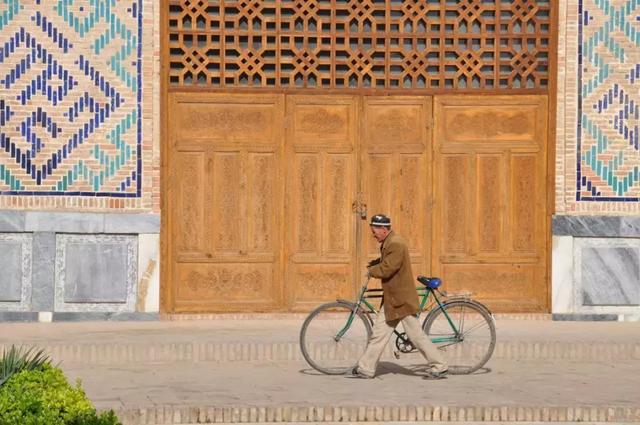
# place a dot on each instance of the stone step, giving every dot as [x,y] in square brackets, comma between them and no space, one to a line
[368,414]
[206,351]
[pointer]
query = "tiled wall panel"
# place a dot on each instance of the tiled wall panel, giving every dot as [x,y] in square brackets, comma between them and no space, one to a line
[598,152]
[76,105]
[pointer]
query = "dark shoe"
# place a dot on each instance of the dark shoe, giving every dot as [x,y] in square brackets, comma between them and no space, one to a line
[432,375]
[355,373]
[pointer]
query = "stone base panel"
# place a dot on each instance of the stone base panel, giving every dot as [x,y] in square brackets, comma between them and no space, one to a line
[596,267]
[87,266]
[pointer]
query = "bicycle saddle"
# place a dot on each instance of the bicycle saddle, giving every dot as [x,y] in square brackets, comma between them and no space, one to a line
[430,282]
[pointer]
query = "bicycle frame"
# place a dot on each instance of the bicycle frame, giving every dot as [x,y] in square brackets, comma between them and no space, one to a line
[423,292]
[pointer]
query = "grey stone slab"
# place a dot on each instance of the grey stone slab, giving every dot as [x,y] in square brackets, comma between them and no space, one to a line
[15,271]
[18,316]
[44,221]
[132,223]
[89,316]
[43,281]
[630,227]
[11,269]
[95,273]
[41,221]
[79,317]
[140,317]
[610,275]
[11,221]
[587,226]
[585,317]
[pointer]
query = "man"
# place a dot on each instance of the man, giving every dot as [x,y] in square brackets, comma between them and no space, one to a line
[400,303]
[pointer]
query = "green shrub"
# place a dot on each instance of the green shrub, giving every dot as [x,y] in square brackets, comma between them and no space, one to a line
[15,360]
[44,397]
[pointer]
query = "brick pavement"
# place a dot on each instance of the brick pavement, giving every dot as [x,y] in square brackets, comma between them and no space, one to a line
[251,371]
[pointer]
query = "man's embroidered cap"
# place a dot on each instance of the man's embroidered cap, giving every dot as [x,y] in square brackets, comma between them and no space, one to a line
[380,220]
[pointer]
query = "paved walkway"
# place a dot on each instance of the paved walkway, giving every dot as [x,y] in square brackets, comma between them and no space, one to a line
[251,371]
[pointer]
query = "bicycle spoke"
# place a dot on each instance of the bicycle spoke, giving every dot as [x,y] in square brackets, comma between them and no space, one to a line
[321,346]
[465,332]
[468,331]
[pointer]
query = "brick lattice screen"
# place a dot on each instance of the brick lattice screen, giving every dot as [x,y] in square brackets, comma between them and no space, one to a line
[487,45]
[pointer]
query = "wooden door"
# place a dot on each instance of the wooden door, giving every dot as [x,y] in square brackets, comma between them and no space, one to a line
[396,172]
[321,173]
[490,234]
[224,202]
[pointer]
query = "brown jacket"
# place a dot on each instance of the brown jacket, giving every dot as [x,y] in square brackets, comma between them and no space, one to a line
[398,287]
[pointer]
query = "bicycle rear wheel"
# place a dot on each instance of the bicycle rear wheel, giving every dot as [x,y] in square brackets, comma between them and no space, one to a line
[468,349]
[329,343]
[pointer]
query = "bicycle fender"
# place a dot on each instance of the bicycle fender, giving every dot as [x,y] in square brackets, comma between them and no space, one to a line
[470,301]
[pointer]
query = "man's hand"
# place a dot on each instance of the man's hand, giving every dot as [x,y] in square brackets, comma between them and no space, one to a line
[367,274]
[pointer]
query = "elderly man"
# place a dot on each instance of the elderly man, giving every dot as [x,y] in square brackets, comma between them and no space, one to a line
[400,303]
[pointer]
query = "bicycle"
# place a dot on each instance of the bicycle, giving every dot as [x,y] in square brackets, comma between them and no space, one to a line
[335,334]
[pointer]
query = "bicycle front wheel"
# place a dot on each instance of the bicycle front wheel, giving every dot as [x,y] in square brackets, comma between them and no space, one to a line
[465,332]
[332,338]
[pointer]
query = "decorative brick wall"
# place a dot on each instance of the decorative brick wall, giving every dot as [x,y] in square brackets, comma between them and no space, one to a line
[596,228]
[78,105]
[598,154]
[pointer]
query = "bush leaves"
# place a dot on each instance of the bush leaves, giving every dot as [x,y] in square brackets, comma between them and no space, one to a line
[15,360]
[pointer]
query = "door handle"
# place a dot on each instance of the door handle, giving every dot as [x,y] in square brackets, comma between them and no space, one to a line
[359,208]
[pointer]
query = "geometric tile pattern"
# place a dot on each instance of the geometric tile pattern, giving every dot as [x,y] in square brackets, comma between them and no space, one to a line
[608,151]
[70,98]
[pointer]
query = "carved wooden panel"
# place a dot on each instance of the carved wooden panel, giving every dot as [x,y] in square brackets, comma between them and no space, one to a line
[189,215]
[452,182]
[525,205]
[352,44]
[225,286]
[225,198]
[490,199]
[228,186]
[263,205]
[321,185]
[396,171]
[198,123]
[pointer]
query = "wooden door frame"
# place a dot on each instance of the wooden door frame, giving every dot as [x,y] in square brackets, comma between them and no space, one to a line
[427,102]
[540,104]
[166,306]
[290,101]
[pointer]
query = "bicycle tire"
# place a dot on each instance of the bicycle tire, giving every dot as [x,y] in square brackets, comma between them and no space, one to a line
[317,338]
[470,351]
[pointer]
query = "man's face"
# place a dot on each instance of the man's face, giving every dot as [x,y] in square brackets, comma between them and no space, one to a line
[379,232]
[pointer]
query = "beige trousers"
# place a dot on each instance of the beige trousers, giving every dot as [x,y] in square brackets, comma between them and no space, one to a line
[382,331]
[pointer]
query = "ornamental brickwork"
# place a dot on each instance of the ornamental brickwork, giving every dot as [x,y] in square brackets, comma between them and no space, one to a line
[76,109]
[598,156]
